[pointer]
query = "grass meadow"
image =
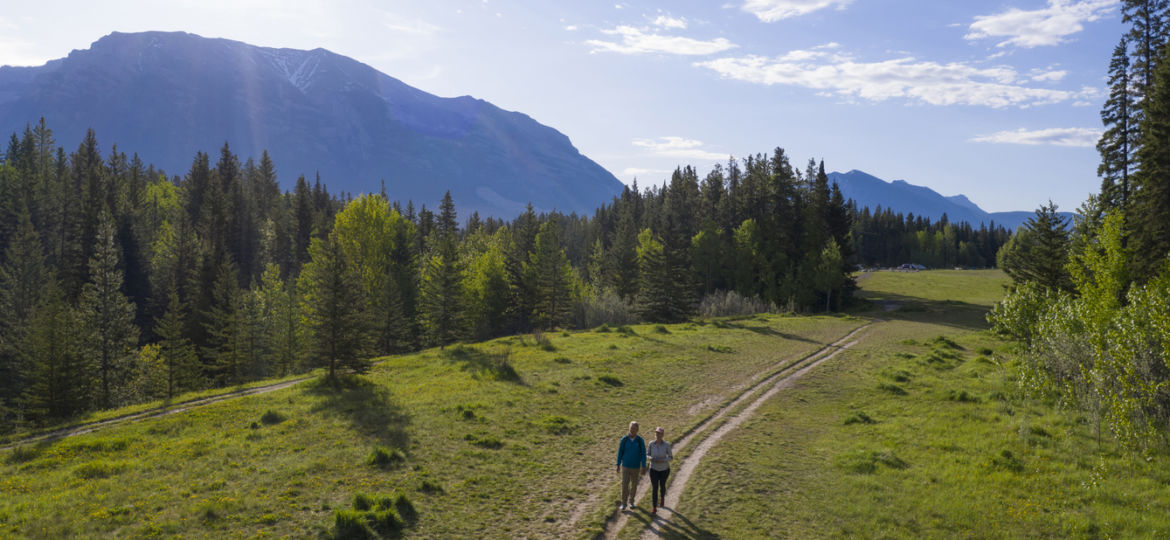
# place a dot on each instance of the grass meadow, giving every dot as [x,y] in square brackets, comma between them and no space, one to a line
[509,438]
[920,431]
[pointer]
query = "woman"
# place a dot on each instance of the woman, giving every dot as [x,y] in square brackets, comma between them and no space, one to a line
[660,455]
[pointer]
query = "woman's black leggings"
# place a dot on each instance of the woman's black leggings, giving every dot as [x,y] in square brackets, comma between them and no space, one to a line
[658,481]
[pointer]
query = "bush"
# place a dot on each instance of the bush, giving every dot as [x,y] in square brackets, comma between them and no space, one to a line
[729,303]
[626,330]
[661,329]
[558,425]
[99,469]
[604,308]
[859,417]
[720,348]
[603,328]
[271,417]
[962,396]
[892,388]
[484,441]
[562,360]
[1007,461]
[384,457]
[429,486]
[543,341]
[361,524]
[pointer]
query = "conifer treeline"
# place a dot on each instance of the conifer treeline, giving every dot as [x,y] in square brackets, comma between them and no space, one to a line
[119,284]
[1089,302]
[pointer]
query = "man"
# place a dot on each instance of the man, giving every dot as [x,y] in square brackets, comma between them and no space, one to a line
[631,464]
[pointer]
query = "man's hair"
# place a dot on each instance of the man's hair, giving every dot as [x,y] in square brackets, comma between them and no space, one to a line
[634,423]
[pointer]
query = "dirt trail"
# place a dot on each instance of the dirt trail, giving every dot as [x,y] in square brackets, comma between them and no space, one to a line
[151,413]
[779,380]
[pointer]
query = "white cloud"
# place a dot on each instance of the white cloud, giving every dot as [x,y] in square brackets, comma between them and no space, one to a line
[666,21]
[839,74]
[678,147]
[1075,137]
[571,28]
[1041,75]
[637,41]
[1039,27]
[775,10]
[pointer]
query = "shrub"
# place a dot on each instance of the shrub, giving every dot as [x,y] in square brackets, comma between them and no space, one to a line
[610,380]
[962,396]
[603,328]
[661,329]
[892,388]
[99,469]
[23,454]
[859,417]
[384,457]
[429,486]
[1007,461]
[543,341]
[729,303]
[720,348]
[604,308]
[557,425]
[484,441]
[985,351]
[626,330]
[562,360]
[467,412]
[271,417]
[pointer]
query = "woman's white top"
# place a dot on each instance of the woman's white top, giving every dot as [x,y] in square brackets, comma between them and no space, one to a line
[660,455]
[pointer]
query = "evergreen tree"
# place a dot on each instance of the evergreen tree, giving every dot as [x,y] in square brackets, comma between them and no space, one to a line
[22,287]
[223,351]
[334,309]
[1151,197]
[1039,251]
[654,290]
[59,366]
[553,278]
[1116,143]
[180,363]
[442,281]
[108,319]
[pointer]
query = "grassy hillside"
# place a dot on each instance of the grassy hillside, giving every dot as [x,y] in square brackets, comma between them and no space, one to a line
[920,431]
[509,438]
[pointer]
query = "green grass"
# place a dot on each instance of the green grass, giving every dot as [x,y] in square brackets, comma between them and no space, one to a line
[961,454]
[503,439]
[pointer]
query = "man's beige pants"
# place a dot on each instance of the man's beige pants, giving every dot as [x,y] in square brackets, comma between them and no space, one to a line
[630,483]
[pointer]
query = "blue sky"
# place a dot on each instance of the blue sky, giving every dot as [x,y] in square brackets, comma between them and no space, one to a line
[996,100]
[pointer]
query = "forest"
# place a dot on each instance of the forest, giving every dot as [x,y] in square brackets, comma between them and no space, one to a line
[121,284]
[1089,301]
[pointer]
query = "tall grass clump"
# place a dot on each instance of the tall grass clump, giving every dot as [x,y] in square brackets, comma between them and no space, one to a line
[385,458]
[374,517]
[728,303]
[603,307]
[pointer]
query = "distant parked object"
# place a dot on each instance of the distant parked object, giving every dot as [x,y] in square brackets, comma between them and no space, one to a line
[911,267]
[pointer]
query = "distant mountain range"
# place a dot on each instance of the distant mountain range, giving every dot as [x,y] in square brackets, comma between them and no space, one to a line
[906,198]
[167,95]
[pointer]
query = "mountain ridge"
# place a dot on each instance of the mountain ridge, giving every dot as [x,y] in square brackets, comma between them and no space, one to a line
[906,198]
[166,95]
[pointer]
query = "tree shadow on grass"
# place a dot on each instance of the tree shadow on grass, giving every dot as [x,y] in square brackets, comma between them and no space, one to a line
[491,365]
[673,525]
[368,407]
[766,331]
[953,313]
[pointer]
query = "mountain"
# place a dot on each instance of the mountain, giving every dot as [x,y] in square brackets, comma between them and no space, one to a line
[166,95]
[906,198]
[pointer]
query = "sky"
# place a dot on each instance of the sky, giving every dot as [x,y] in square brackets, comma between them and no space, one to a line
[997,100]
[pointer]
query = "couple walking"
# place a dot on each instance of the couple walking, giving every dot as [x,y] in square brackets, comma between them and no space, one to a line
[631,464]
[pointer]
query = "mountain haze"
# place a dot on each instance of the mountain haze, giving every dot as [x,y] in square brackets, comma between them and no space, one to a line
[903,197]
[166,95]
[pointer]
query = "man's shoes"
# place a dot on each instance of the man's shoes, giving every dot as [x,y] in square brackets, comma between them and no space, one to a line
[654,510]
[623,506]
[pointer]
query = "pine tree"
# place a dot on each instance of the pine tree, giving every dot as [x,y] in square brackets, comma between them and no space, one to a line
[180,363]
[1039,251]
[1116,143]
[59,367]
[223,352]
[553,278]
[654,290]
[1151,197]
[108,318]
[22,283]
[442,281]
[334,309]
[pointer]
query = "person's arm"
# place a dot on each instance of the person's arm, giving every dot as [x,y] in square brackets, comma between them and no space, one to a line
[643,456]
[621,448]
